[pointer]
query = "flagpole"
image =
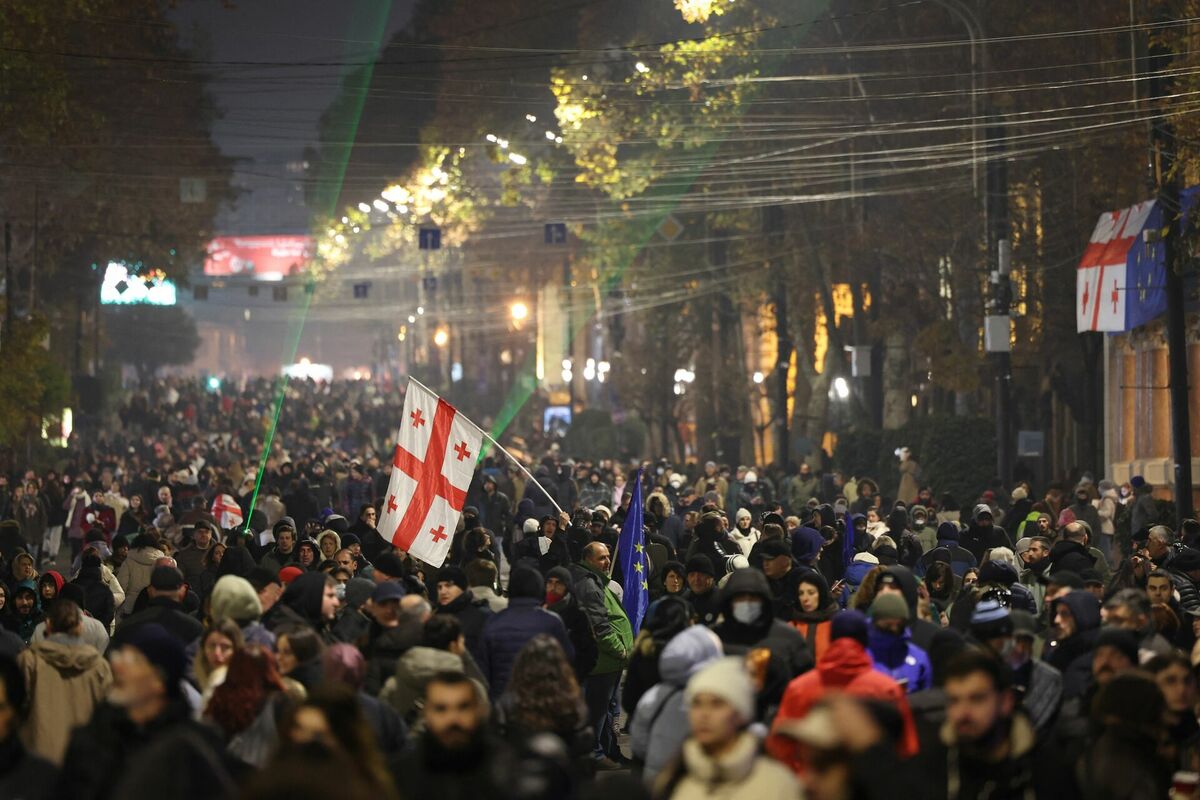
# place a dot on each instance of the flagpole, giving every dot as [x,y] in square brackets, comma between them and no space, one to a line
[499,447]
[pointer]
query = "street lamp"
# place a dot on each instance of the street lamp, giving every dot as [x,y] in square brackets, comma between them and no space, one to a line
[758,377]
[840,388]
[519,311]
[441,337]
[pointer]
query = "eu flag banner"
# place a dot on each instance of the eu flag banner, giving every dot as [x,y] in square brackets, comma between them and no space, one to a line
[635,565]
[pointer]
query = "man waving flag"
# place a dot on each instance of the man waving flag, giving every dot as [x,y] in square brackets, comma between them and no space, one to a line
[635,564]
[436,451]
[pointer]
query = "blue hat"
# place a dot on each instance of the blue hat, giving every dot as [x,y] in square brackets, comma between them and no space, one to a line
[388,590]
[849,624]
[990,620]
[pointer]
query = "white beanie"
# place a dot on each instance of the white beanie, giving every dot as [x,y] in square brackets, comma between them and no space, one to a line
[743,514]
[531,526]
[750,477]
[726,678]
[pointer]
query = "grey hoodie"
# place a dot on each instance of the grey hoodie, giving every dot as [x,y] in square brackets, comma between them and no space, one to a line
[660,722]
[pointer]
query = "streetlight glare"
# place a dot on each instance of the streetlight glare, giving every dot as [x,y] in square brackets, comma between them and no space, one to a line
[519,311]
[758,377]
[442,337]
[841,388]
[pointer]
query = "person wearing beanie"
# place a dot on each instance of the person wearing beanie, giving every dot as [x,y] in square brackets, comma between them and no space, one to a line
[143,741]
[701,588]
[454,599]
[710,539]
[1116,653]
[191,559]
[509,630]
[844,667]
[744,534]
[720,758]
[99,601]
[982,533]
[890,644]
[560,599]
[544,549]
[234,598]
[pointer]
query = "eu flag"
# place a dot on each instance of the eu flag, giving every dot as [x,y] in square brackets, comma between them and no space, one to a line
[631,555]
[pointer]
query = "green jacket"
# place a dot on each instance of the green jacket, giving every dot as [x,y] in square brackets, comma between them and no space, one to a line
[610,624]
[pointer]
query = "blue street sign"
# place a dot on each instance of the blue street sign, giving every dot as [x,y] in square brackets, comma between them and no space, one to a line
[556,233]
[430,239]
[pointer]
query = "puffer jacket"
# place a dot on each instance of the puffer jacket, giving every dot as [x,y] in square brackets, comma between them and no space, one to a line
[660,723]
[506,632]
[134,574]
[896,656]
[66,680]
[845,667]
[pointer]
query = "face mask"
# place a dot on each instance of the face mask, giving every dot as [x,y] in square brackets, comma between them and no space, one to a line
[552,598]
[340,591]
[747,612]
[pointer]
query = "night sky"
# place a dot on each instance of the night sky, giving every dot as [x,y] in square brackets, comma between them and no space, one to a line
[270,113]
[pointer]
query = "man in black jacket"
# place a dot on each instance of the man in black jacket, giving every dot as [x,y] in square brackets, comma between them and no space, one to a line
[545,551]
[1069,553]
[453,598]
[164,608]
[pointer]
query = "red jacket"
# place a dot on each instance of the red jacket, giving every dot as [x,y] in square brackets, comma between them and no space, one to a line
[845,667]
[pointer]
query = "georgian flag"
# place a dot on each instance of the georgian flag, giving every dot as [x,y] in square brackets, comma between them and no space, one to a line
[1120,279]
[226,512]
[435,457]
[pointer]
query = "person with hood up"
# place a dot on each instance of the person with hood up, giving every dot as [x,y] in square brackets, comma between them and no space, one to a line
[891,646]
[926,534]
[328,543]
[950,550]
[91,631]
[845,667]
[99,600]
[814,611]
[506,632]
[720,758]
[420,664]
[983,534]
[134,572]
[27,611]
[659,725]
[1038,685]
[49,586]
[1076,625]
[748,623]
[313,596]
[66,677]
[744,534]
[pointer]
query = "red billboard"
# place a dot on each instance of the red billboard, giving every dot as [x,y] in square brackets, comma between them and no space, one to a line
[268,258]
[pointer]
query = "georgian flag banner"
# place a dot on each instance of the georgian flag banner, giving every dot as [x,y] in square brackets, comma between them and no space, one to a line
[436,451]
[227,512]
[1119,284]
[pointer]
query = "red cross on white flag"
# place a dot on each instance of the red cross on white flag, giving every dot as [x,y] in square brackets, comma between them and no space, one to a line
[226,511]
[435,458]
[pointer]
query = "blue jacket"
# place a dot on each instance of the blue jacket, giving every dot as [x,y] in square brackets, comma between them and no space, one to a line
[898,657]
[855,574]
[506,632]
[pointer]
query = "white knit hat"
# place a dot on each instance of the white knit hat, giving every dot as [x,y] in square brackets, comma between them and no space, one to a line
[726,678]
[531,526]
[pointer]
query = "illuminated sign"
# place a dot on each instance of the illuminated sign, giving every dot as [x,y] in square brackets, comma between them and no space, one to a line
[124,288]
[268,258]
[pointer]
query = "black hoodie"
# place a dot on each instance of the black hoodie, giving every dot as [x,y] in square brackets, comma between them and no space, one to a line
[790,654]
[305,596]
[921,630]
[579,630]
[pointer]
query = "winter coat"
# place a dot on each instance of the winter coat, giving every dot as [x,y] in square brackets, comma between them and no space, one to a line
[472,615]
[579,628]
[487,594]
[405,689]
[979,540]
[65,680]
[385,646]
[165,612]
[816,626]
[93,634]
[1073,656]
[1067,556]
[24,775]
[845,667]
[660,722]
[134,574]
[740,772]
[32,515]
[1144,512]
[528,550]
[98,599]
[959,558]
[607,617]
[707,606]
[790,654]
[745,540]
[190,561]
[507,632]
[896,656]
[908,490]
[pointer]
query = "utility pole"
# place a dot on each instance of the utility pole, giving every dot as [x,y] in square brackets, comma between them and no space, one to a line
[1163,146]
[9,293]
[777,383]
[998,323]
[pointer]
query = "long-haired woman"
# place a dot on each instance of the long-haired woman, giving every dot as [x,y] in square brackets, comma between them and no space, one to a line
[244,706]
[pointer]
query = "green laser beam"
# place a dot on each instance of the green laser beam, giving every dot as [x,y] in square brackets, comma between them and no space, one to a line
[367,23]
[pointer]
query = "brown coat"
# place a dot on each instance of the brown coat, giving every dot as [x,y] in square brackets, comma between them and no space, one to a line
[65,682]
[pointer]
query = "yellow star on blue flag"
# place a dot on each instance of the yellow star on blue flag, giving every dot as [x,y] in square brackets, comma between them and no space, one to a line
[631,547]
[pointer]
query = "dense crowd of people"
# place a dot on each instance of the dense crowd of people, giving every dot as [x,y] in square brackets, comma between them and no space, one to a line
[806,636]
